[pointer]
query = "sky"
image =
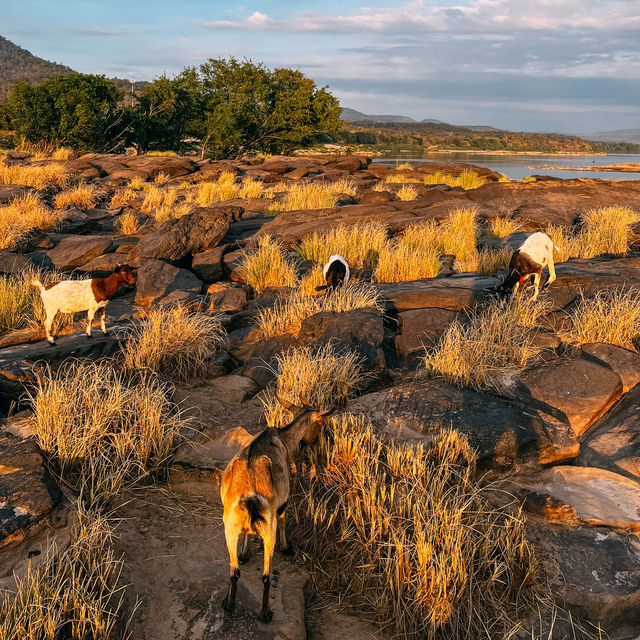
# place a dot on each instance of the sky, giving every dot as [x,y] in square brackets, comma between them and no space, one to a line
[570,66]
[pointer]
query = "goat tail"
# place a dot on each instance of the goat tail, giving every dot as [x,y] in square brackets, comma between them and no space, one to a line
[322,287]
[257,507]
[37,283]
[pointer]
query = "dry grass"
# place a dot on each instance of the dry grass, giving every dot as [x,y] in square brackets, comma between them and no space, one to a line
[307,195]
[127,224]
[19,300]
[401,178]
[176,343]
[609,316]
[226,188]
[103,430]
[287,315]
[39,176]
[467,179]
[404,166]
[23,214]
[407,533]
[84,196]
[72,593]
[268,266]
[503,227]
[494,342]
[161,178]
[314,278]
[459,233]
[322,376]
[137,184]
[360,244]
[407,193]
[124,198]
[488,261]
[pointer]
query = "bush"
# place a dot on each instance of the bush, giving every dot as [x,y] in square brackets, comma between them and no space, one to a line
[407,533]
[177,343]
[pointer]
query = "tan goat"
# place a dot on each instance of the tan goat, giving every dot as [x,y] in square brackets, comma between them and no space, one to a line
[255,490]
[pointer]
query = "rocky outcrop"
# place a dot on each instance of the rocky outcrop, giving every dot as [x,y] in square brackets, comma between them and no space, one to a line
[75,251]
[157,279]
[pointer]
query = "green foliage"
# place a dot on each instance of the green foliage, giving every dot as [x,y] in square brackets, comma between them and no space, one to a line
[76,110]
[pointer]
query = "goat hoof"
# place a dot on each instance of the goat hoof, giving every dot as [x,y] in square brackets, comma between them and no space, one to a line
[288,550]
[265,615]
[227,605]
[243,558]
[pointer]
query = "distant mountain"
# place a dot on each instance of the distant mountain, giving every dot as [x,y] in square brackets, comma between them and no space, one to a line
[619,135]
[352,114]
[17,63]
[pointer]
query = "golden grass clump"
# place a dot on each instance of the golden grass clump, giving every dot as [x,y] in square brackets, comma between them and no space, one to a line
[161,178]
[19,300]
[127,224]
[72,593]
[609,316]
[84,196]
[124,198]
[360,244]
[323,377]
[62,153]
[408,533]
[467,179]
[503,227]
[268,266]
[137,184]
[404,166]
[23,214]
[38,176]
[459,233]
[287,315]
[177,343]
[493,343]
[488,261]
[103,430]
[153,199]
[306,195]
[407,193]
[314,278]
[400,178]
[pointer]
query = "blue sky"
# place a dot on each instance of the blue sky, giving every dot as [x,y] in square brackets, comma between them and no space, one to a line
[551,65]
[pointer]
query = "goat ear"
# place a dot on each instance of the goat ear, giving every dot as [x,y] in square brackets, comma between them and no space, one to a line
[286,404]
[319,416]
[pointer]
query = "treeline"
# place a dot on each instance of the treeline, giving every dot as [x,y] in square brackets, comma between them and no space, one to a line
[434,136]
[224,108]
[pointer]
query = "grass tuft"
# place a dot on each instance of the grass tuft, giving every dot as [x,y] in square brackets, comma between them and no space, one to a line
[40,176]
[127,224]
[407,193]
[268,266]
[23,214]
[467,179]
[84,196]
[503,227]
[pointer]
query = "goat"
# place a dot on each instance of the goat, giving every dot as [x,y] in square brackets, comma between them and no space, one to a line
[72,296]
[336,273]
[535,253]
[255,490]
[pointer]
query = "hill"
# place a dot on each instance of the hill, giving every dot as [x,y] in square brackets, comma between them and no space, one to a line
[618,135]
[17,63]
[356,116]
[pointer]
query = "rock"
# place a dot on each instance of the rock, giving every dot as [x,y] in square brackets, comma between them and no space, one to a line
[458,293]
[614,443]
[208,264]
[193,233]
[597,496]
[378,197]
[32,240]
[361,331]
[260,359]
[572,388]
[624,362]
[13,262]
[27,494]
[156,279]
[597,571]
[503,433]
[104,265]
[339,626]
[419,328]
[10,191]
[227,297]
[75,251]
[233,265]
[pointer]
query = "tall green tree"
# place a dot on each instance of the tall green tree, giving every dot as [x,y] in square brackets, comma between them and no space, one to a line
[77,110]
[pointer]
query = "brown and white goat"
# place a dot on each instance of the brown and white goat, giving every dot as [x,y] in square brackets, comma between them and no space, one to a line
[255,490]
[335,273]
[535,253]
[73,296]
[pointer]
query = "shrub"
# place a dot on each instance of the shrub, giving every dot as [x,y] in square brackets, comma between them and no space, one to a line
[84,196]
[102,430]
[322,376]
[360,244]
[40,176]
[287,315]
[73,593]
[22,215]
[481,352]
[408,533]
[177,343]
[268,266]
[609,316]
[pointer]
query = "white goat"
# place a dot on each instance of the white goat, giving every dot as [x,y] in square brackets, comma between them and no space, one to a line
[535,253]
[336,273]
[73,296]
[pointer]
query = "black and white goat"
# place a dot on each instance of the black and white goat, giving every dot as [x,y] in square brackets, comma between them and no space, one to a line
[73,296]
[533,255]
[336,273]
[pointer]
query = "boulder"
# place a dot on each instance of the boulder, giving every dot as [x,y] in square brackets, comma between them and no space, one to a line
[34,239]
[105,264]
[193,233]
[9,192]
[157,279]
[208,264]
[576,390]
[597,496]
[227,297]
[75,251]
[13,262]
[504,434]
[27,493]
[624,362]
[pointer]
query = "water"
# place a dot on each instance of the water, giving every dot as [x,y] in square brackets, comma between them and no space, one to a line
[516,167]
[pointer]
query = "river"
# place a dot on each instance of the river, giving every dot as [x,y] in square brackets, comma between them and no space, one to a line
[517,166]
